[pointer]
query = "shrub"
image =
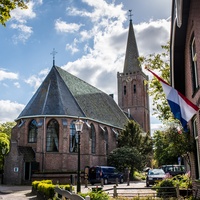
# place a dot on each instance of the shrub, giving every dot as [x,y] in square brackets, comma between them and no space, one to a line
[35,184]
[100,195]
[46,187]
[165,188]
[66,187]
[183,181]
[139,175]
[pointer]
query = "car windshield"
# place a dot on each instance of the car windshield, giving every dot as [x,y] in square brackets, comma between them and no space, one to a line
[156,172]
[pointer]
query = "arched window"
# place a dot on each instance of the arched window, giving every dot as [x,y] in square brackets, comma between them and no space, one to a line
[106,139]
[124,90]
[93,139]
[32,131]
[134,88]
[52,137]
[73,145]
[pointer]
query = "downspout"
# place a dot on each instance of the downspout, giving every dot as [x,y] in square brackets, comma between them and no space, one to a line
[172,53]
[43,145]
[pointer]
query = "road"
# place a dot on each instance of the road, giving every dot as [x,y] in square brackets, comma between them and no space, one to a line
[24,192]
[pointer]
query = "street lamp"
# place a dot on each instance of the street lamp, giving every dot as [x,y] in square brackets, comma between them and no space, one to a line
[79,127]
[3,150]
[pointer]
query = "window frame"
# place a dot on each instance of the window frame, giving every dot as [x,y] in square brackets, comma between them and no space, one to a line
[32,131]
[52,136]
[194,67]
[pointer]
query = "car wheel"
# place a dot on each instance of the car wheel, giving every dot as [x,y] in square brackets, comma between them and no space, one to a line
[147,183]
[121,180]
[105,181]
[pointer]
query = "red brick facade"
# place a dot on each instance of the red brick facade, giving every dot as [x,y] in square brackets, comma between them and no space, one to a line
[61,161]
[185,50]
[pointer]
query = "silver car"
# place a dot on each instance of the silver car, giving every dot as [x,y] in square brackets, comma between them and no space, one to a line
[154,176]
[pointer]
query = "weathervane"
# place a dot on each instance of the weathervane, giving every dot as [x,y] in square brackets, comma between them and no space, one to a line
[130,15]
[54,53]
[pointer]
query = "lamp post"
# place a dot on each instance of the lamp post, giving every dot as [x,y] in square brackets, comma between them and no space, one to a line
[3,154]
[79,127]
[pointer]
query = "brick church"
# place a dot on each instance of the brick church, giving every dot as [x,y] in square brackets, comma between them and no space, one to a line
[44,141]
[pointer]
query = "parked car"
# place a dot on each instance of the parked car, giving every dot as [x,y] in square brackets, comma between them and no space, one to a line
[107,173]
[174,170]
[154,176]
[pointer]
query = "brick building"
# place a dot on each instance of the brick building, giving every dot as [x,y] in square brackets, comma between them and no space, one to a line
[44,139]
[132,90]
[185,63]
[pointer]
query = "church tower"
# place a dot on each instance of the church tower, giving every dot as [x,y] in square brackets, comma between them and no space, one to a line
[132,91]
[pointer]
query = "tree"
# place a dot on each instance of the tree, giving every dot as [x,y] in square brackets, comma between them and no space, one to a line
[134,149]
[133,136]
[125,157]
[5,133]
[169,145]
[6,6]
[159,63]
[4,147]
[7,127]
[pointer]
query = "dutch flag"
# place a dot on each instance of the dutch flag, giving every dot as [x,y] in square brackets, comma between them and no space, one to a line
[182,108]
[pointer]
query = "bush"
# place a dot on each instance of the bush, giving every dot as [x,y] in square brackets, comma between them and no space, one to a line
[165,188]
[100,195]
[46,187]
[139,175]
[183,181]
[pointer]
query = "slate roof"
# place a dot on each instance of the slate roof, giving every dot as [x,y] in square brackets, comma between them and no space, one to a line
[62,94]
[131,63]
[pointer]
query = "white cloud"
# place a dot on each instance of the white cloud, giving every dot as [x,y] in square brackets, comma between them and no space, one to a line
[9,111]
[7,75]
[17,84]
[102,61]
[36,80]
[72,47]
[22,15]
[150,36]
[44,72]
[24,32]
[64,27]
[100,9]
[19,19]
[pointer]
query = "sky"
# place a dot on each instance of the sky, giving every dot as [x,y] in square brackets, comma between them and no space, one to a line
[89,38]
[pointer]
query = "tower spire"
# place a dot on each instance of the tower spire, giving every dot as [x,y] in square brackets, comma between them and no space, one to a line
[131,63]
[130,15]
[54,53]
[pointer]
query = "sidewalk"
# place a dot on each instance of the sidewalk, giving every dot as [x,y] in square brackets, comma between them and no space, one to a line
[10,192]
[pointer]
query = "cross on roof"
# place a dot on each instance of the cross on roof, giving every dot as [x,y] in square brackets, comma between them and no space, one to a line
[54,52]
[130,15]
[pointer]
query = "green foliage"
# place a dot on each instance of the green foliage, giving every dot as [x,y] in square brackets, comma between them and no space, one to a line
[47,187]
[100,195]
[66,187]
[7,127]
[4,143]
[135,149]
[165,188]
[182,181]
[160,64]
[6,6]
[169,144]
[5,133]
[35,184]
[4,147]
[125,157]
[139,175]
